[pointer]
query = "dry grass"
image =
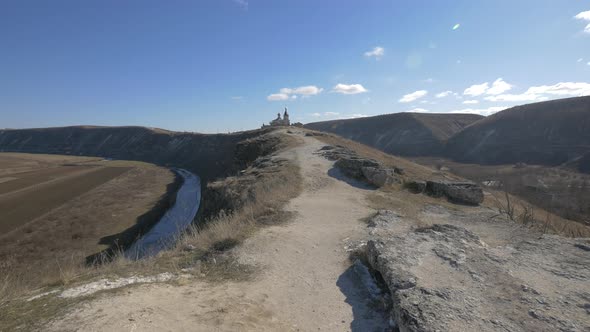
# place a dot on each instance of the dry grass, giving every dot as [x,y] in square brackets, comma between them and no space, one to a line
[411,169]
[557,189]
[517,210]
[209,242]
[51,250]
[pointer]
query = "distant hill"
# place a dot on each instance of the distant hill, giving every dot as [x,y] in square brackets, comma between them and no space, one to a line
[209,156]
[406,134]
[547,133]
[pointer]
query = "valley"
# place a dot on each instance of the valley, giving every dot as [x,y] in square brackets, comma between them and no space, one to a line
[55,211]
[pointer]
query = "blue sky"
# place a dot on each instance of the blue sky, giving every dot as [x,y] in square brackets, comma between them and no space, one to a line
[227,65]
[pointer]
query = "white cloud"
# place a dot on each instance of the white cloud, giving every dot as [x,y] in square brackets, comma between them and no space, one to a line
[580,59]
[418,110]
[471,102]
[588,63]
[377,53]
[349,89]
[429,80]
[443,94]
[574,89]
[476,89]
[515,97]
[357,115]
[309,90]
[456,26]
[325,115]
[292,93]
[498,87]
[584,16]
[543,92]
[277,96]
[481,111]
[242,3]
[413,96]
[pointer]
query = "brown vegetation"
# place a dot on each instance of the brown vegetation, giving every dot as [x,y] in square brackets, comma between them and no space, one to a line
[51,226]
[559,190]
[406,134]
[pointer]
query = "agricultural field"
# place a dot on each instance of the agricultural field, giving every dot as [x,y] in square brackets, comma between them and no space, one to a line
[56,211]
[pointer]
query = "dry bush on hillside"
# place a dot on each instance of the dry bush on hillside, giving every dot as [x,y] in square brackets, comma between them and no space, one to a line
[519,211]
[265,200]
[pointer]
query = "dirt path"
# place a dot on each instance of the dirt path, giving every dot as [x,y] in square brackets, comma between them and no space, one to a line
[306,283]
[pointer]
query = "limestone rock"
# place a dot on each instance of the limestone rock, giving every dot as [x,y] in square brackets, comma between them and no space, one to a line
[457,192]
[417,187]
[353,166]
[380,176]
[443,278]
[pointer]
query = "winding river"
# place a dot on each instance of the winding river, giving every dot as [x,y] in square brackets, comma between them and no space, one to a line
[177,219]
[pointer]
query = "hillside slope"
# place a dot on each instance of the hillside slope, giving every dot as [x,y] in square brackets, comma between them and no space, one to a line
[442,267]
[209,156]
[407,134]
[546,133]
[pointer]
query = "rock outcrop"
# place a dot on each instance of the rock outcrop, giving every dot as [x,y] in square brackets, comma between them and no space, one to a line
[457,192]
[365,169]
[444,278]
[209,156]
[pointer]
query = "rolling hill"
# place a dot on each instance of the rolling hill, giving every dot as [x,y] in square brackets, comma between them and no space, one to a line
[208,155]
[546,133]
[406,134]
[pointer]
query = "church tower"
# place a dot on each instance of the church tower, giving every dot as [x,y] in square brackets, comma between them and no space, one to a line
[286,118]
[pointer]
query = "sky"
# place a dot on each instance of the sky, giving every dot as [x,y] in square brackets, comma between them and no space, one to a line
[215,66]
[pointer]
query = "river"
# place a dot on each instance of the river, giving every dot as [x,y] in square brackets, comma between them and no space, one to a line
[176,220]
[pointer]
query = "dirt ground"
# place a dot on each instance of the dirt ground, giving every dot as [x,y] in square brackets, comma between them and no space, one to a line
[57,210]
[303,280]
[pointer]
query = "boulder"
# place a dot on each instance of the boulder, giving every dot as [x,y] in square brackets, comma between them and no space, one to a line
[353,166]
[457,192]
[380,177]
[417,187]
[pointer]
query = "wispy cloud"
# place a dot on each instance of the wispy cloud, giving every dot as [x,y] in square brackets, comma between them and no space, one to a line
[544,92]
[444,94]
[378,52]
[480,111]
[584,16]
[325,115]
[242,3]
[293,93]
[236,97]
[456,26]
[477,89]
[471,102]
[499,86]
[410,97]
[418,110]
[308,90]
[277,97]
[349,89]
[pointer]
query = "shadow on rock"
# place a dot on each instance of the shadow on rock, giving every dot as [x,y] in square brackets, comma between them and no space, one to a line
[337,174]
[365,299]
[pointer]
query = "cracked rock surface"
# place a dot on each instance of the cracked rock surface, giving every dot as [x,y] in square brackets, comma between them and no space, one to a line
[442,277]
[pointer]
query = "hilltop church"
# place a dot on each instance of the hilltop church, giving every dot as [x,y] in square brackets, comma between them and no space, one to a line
[280,122]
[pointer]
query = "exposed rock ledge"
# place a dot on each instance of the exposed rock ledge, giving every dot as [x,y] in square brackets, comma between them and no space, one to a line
[443,278]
